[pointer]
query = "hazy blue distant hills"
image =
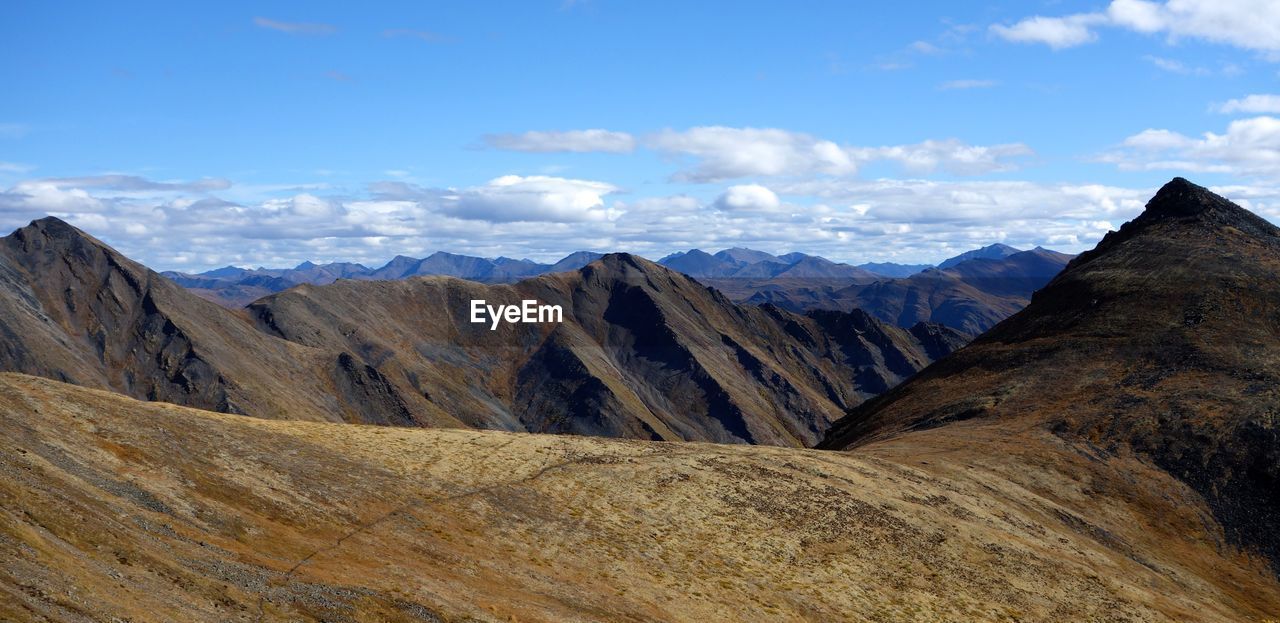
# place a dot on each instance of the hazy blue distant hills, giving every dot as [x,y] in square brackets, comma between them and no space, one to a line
[971,295]
[235,287]
[892,269]
[989,252]
[968,290]
[740,263]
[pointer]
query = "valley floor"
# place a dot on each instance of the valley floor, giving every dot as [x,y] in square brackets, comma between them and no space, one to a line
[115,509]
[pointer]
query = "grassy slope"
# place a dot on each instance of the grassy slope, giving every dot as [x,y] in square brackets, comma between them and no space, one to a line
[149,512]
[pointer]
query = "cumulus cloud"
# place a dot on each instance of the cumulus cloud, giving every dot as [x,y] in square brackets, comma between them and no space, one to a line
[726,153]
[513,198]
[594,140]
[1247,24]
[1055,32]
[722,153]
[295,28]
[747,197]
[1251,104]
[1249,147]
[952,156]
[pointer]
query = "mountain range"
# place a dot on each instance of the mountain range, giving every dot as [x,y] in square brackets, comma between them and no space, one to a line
[970,295]
[235,287]
[642,352]
[1108,453]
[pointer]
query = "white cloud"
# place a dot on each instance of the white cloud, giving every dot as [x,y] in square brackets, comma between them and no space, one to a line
[950,155]
[951,85]
[749,198]
[15,167]
[513,198]
[1249,147]
[1247,24]
[1251,104]
[1055,32]
[723,153]
[294,28]
[726,153]
[570,141]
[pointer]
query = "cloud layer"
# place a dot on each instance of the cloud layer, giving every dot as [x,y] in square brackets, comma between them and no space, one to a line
[191,225]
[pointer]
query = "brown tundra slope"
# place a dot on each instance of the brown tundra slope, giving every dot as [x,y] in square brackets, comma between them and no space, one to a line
[643,353]
[1163,343]
[117,510]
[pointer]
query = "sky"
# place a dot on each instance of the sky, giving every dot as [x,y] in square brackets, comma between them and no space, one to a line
[268,133]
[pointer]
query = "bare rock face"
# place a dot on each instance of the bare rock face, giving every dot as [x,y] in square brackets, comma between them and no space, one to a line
[1164,341]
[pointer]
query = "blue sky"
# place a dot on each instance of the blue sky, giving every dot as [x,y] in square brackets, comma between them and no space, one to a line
[270,133]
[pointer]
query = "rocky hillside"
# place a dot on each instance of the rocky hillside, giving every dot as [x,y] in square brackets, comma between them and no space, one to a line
[73,309]
[1163,342]
[643,352]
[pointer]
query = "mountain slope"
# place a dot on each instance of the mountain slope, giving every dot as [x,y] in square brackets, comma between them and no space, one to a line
[1163,341]
[120,510]
[73,309]
[971,296]
[643,352]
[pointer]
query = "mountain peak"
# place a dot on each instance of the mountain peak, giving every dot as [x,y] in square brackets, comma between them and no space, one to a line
[54,227]
[1181,204]
[1180,197]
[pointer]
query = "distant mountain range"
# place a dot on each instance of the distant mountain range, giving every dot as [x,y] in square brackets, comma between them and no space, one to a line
[236,287]
[971,295]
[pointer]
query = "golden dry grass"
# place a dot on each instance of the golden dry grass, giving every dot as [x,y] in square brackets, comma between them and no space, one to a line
[120,510]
